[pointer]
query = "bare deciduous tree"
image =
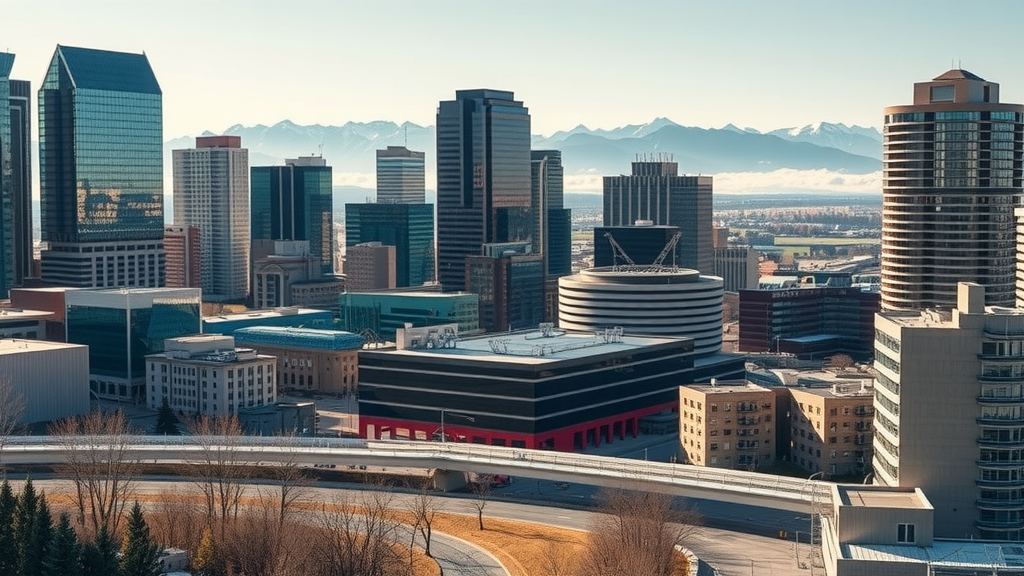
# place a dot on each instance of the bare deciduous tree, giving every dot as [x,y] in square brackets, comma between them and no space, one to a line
[556,562]
[636,535]
[424,508]
[220,468]
[100,462]
[482,494]
[840,362]
[291,482]
[359,539]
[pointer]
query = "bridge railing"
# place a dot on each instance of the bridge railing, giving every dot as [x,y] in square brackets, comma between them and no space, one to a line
[446,453]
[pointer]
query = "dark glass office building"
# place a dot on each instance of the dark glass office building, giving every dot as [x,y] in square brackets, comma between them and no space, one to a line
[552,223]
[510,284]
[101,170]
[293,202]
[655,192]
[483,178]
[407,227]
[15,179]
[811,323]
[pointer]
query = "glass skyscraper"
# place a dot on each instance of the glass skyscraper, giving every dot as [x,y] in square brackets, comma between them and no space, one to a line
[552,233]
[483,178]
[407,227]
[400,176]
[101,170]
[293,202]
[15,179]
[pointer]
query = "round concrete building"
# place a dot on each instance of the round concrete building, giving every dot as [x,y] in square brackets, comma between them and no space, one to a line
[645,300]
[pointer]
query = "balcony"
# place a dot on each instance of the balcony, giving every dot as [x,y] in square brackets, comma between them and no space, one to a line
[746,407]
[995,378]
[1004,333]
[1000,421]
[1000,503]
[747,421]
[1007,525]
[1000,463]
[996,443]
[864,412]
[1000,399]
[984,483]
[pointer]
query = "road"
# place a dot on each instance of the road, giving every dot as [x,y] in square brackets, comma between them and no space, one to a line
[729,552]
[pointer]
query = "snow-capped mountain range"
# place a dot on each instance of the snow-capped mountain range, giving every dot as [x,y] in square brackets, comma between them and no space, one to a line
[350,148]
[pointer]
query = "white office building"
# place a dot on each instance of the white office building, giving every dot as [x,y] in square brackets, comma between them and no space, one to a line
[208,375]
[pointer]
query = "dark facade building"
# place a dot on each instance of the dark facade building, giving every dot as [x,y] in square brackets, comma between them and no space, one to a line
[407,227]
[101,170]
[483,178]
[656,192]
[500,391]
[293,202]
[15,179]
[552,232]
[400,176]
[643,244]
[808,322]
[510,284]
[952,175]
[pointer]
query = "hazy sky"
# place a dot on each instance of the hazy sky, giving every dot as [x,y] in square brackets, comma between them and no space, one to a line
[759,63]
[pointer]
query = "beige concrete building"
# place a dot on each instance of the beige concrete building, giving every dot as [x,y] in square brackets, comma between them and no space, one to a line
[208,375]
[949,413]
[727,425]
[830,425]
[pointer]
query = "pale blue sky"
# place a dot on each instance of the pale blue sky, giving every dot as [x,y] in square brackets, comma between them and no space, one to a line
[760,63]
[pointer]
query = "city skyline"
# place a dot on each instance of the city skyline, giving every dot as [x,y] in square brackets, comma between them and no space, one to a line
[775,65]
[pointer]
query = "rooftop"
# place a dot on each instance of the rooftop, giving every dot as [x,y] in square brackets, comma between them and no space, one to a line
[299,338]
[984,557]
[730,387]
[881,497]
[16,314]
[532,347]
[18,346]
[268,313]
[113,71]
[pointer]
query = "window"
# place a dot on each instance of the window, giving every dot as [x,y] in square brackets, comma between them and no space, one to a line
[905,534]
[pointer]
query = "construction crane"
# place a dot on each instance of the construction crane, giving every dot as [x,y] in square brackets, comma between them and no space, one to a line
[657,267]
[618,252]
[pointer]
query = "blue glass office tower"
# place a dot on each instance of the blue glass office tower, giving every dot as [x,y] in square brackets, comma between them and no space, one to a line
[101,170]
[15,179]
[483,178]
[293,202]
[6,179]
[407,227]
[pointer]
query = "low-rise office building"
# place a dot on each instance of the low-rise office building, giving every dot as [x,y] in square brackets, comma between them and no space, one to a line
[308,359]
[23,324]
[547,389]
[208,375]
[383,313]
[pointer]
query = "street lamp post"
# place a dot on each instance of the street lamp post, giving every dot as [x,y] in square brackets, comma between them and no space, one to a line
[444,438]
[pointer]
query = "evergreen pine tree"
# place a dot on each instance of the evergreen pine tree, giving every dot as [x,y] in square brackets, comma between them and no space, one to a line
[166,421]
[24,530]
[39,544]
[64,558]
[8,548]
[99,557]
[139,555]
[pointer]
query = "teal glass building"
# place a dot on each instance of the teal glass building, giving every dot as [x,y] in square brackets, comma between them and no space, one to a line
[15,179]
[407,227]
[293,202]
[383,313]
[101,170]
[122,326]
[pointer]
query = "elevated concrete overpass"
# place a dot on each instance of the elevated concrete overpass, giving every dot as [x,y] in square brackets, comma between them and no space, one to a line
[779,492]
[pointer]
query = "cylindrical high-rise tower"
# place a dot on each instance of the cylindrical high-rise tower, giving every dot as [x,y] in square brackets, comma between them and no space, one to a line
[952,176]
